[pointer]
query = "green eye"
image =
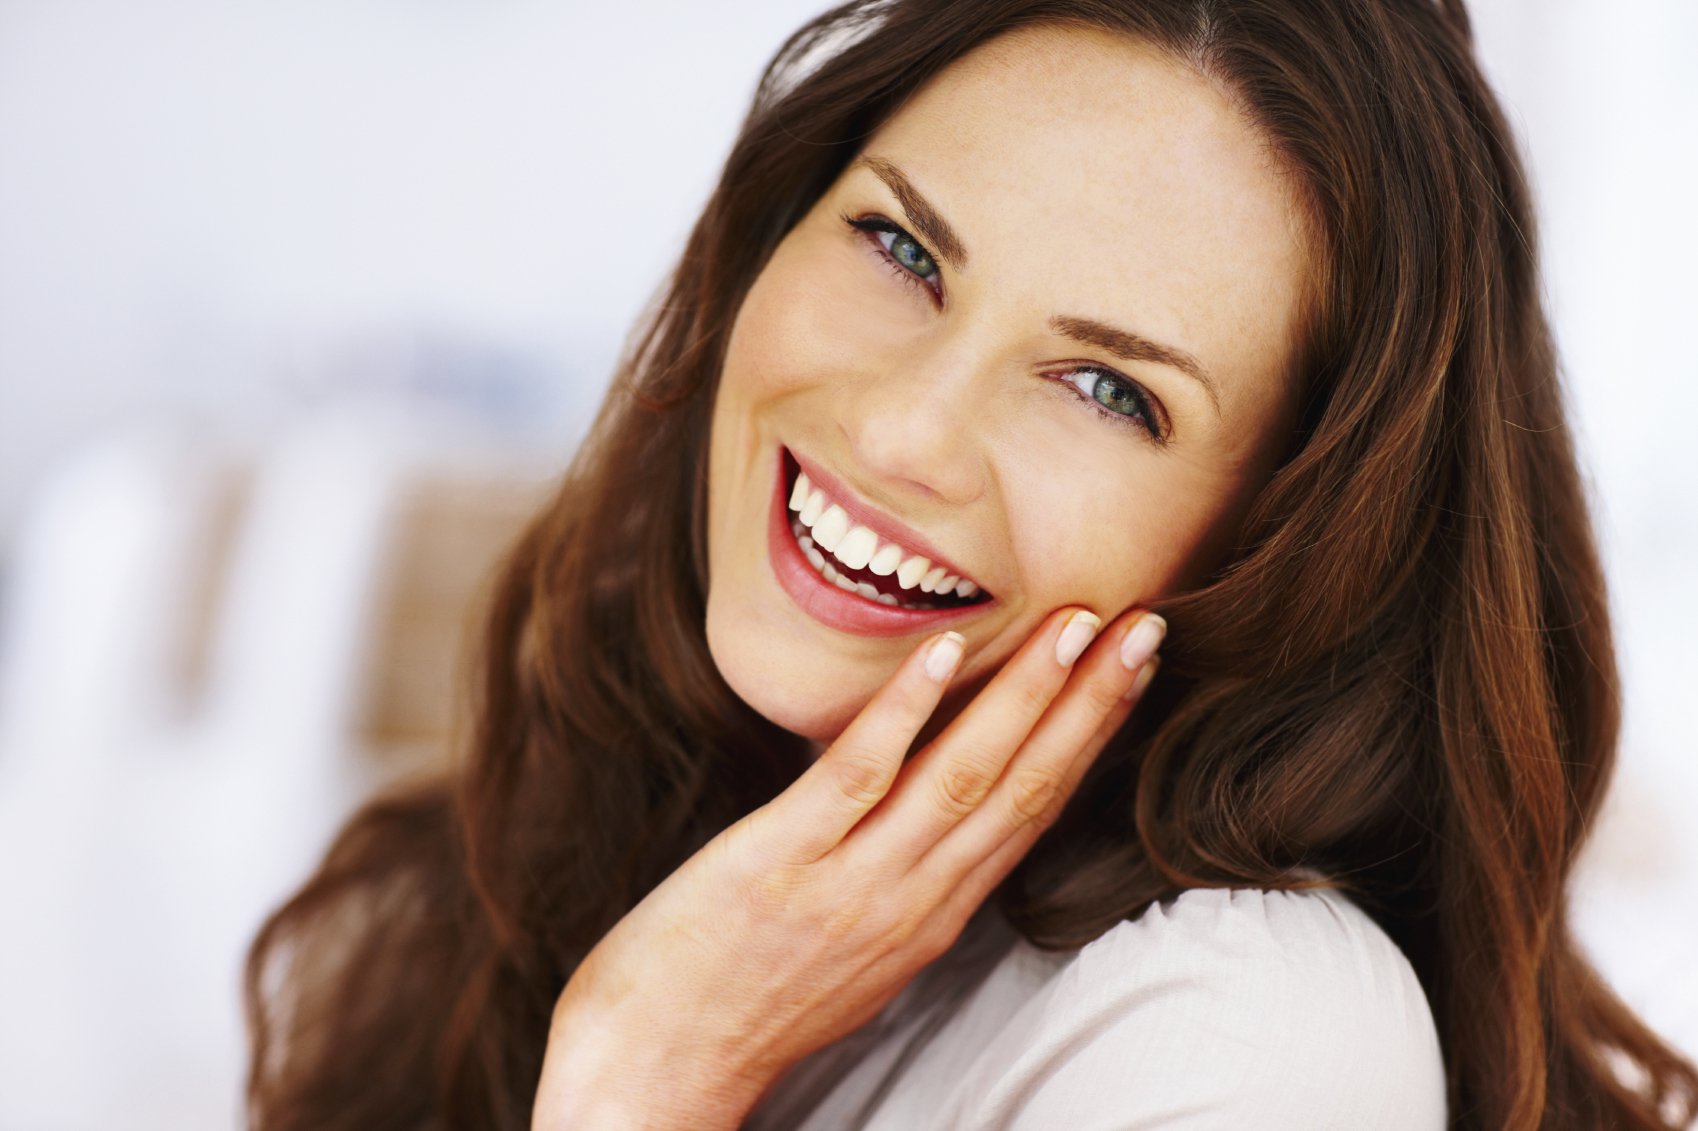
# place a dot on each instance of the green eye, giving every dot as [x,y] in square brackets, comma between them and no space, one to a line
[1119,399]
[1116,397]
[906,251]
[907,257]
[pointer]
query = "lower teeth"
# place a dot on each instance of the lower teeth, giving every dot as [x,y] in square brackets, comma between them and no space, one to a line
[829,572]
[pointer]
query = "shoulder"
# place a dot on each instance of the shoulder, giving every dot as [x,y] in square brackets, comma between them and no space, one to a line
[1313,952]
[1226,1008]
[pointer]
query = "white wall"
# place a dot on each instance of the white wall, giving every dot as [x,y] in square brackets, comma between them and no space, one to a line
[234,211]
[231,207]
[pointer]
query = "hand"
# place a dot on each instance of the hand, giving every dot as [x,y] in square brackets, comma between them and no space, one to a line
[798,923]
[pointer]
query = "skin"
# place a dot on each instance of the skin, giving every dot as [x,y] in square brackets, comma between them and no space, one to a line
[1132,193]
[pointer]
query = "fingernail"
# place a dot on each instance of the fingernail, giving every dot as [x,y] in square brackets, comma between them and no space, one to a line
[1141,643]
[1143,678]
[1081,628]
[945,656]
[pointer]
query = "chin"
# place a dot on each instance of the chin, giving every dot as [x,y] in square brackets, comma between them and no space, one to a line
[805,700]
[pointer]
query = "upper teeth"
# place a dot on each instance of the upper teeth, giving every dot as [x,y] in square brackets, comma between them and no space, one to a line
[857,546]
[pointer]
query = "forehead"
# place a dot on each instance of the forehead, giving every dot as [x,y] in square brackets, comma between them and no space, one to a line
[1096,176]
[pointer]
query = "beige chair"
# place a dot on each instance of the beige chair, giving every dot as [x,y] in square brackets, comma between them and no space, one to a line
[448,532]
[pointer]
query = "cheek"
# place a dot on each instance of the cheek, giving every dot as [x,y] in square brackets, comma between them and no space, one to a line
[1110,548]
[816,312]
[781,335]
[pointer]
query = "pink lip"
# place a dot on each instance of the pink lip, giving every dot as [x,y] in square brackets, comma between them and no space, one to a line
[825,602]
[887,528]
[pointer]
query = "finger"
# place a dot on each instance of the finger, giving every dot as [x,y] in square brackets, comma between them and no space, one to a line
[966,893]
[855,772]
[954,774]
[1055,756]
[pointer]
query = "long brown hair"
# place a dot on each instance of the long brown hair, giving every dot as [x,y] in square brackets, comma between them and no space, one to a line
[1402,679]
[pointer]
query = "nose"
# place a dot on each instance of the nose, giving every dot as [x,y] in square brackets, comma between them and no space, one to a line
[918,425]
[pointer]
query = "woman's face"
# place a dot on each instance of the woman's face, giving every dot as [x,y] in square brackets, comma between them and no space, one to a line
[1041,332]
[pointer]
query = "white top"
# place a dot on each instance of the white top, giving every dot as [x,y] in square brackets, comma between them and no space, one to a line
[1282,1011]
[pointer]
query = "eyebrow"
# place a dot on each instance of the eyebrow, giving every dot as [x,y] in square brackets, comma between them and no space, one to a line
[927,219]
[1124,344]
[1135,347]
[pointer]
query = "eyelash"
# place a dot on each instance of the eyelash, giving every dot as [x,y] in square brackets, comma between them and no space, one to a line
[870,226]
[1144,420]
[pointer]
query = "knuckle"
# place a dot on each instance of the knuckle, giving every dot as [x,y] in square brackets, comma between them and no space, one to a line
[843,920]
[860,777]
[933,940]
[901,932]
[962,785]
[759,838]
[769,894]
[1034,794]
[742,846]
[1032,699]
[1103,696]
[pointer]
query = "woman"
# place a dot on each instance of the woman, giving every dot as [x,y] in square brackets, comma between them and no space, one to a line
[1074,313]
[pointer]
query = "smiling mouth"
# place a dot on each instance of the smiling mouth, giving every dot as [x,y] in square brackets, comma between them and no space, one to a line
[858,560]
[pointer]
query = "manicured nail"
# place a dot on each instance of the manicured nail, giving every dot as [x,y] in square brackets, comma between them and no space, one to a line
[1081,629]
[945,656]
[1141,643]
[1143,678]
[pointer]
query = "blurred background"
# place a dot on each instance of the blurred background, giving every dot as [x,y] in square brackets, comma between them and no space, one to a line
[303,307]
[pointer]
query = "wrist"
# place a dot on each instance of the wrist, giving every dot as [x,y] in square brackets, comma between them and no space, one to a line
[610,1104]
[593,1079]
